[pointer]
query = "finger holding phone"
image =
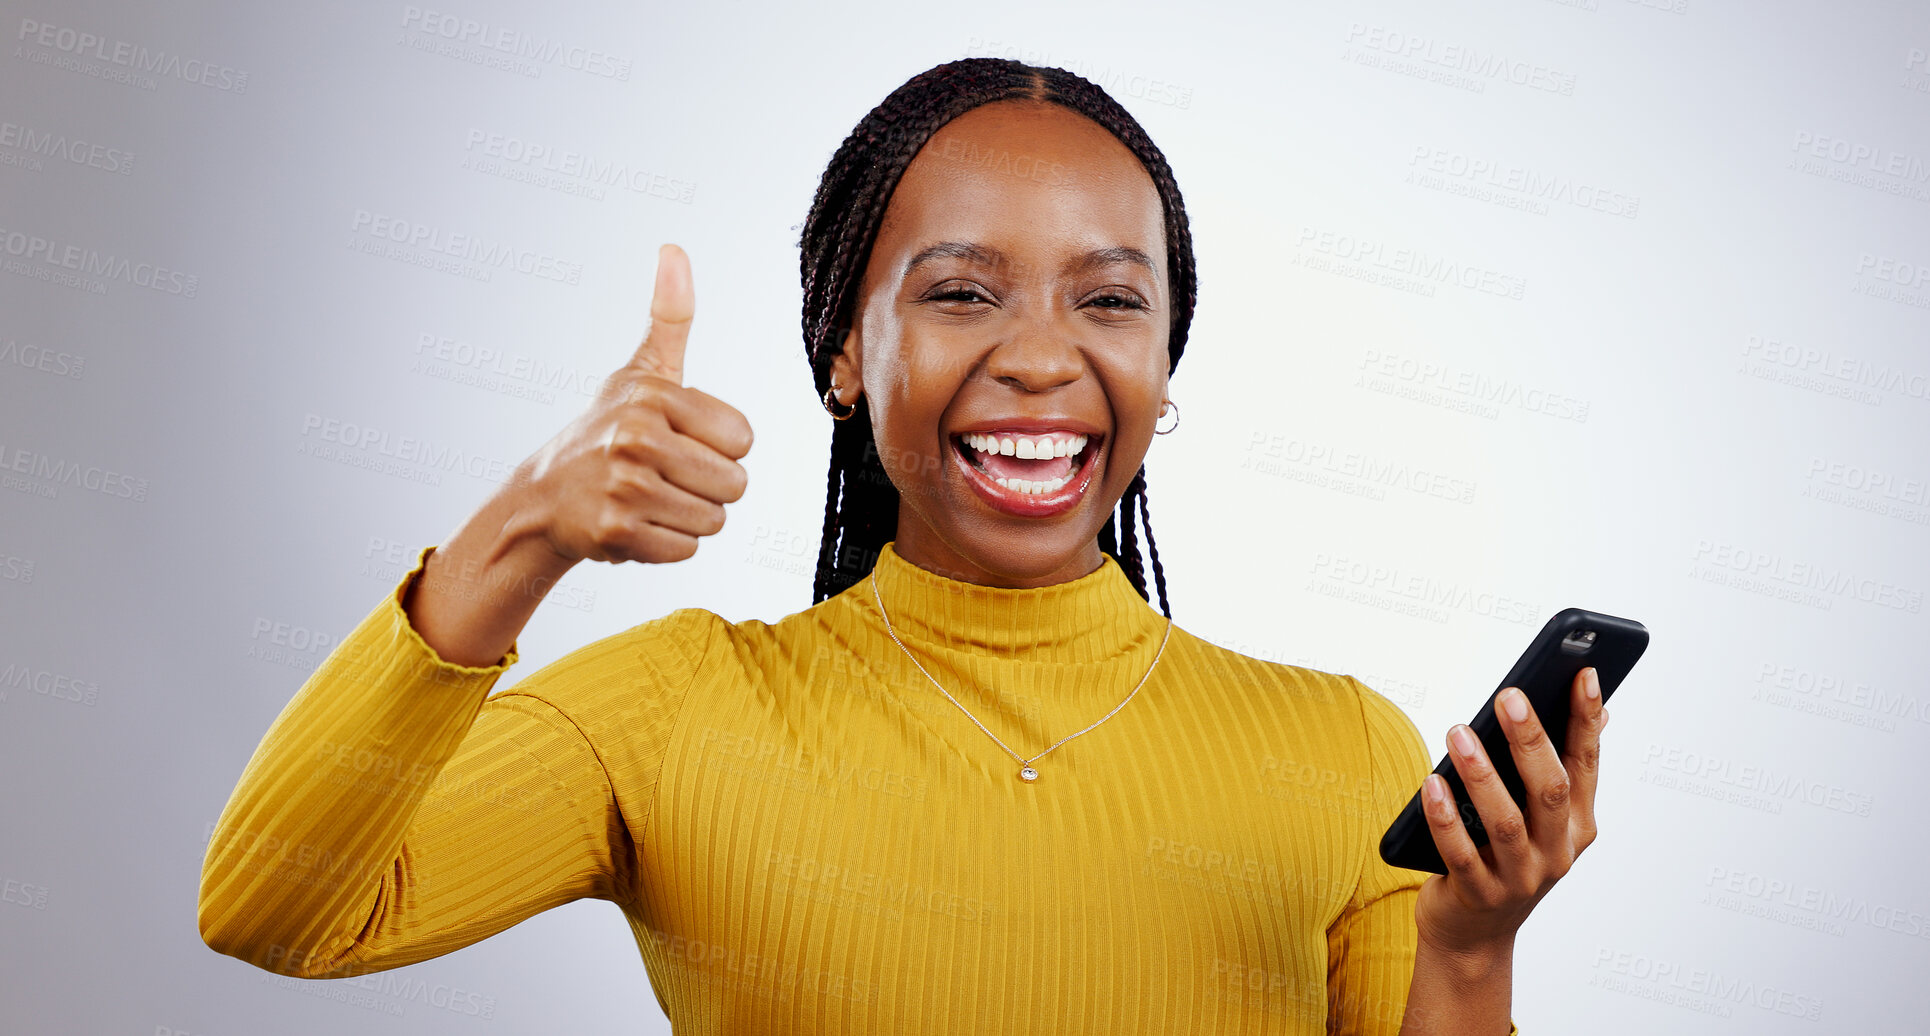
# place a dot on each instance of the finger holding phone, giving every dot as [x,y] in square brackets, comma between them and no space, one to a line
[1489,890]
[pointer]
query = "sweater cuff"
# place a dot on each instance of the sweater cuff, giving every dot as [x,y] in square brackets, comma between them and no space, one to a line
[426,656]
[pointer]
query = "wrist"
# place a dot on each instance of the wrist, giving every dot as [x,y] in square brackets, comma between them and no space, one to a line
[511,533]
[1460,989]
[498,562]
[1473,963]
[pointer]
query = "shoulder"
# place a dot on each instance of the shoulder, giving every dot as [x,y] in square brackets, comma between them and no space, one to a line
[668,649]
[1392,738]
[632,680]
[1304,685]
[684,647]
[1362,716]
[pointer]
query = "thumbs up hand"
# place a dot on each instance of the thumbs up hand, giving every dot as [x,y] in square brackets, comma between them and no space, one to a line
[648,468]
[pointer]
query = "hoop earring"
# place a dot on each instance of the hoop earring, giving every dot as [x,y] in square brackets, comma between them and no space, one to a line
[831,401]
[1162,413]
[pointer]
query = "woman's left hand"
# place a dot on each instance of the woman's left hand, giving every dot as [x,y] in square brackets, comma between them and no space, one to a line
[1488,892]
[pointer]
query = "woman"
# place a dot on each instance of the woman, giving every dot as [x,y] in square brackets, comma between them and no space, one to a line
[980,784]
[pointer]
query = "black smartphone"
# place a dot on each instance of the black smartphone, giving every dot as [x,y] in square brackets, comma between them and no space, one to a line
[1571,641]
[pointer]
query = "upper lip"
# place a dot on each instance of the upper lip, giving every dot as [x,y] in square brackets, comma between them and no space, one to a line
[1034,425]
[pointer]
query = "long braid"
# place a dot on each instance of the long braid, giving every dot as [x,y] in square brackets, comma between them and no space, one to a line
[861,504]
[1152,549]
[1128,538]
[833,524]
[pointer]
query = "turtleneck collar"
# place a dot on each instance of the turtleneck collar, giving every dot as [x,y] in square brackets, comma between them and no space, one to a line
[1094,618]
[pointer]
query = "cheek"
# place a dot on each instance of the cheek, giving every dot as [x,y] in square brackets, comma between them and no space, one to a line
[1135,386]
[922,373]
[909,394]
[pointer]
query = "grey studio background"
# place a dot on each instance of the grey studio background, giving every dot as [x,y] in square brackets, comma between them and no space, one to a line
[1505,306]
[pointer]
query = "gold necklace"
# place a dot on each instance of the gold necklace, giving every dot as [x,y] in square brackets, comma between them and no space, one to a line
[1027,772]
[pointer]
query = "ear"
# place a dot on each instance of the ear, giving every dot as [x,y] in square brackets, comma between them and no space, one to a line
[846,367]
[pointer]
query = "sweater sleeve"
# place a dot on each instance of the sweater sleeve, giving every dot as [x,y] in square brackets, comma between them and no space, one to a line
[395,812]
[1372,944]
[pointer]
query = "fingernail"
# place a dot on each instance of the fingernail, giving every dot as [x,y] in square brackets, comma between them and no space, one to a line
[1463,739]
[1432,786]
[1593,685]
[1516,705]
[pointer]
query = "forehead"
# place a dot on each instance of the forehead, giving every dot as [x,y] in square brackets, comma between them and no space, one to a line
[1028,178]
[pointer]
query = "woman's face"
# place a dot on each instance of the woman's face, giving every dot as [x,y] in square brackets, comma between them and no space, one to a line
[1016,290]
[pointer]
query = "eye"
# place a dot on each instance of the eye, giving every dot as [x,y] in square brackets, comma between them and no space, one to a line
[1116,301]
[957,293]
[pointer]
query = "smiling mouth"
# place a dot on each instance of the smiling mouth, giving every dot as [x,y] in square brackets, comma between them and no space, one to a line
[1030,463]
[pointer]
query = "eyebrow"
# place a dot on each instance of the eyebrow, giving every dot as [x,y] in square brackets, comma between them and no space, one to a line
[972,251]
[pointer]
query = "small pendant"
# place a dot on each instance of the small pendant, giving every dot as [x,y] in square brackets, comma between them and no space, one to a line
[1028,775]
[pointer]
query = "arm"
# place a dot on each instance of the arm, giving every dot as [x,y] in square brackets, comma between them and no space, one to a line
[1382,980]
[392,814]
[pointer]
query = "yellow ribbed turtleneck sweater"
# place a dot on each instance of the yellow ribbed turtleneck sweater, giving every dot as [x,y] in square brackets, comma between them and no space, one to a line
[807,837]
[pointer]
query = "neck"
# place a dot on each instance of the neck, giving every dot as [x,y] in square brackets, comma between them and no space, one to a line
[1023,567]
[1089,618]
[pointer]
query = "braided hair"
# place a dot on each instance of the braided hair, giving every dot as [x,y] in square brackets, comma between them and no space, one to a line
[861,504]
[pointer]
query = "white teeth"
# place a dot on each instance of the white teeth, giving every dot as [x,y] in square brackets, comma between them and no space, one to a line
[1033,487]
[1026,449]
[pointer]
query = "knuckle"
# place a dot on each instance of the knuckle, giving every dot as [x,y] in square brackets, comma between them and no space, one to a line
[1555,793]
[610,528]
[641,442]
[611,434]
[1460,858]
[624,482]
[1508,830]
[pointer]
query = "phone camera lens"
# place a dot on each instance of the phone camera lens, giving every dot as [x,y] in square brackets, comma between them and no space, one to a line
[1578,642]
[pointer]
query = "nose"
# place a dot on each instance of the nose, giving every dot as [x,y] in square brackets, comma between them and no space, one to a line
[1036,357]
